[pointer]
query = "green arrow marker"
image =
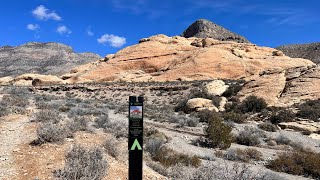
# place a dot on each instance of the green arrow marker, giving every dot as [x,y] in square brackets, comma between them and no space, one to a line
[135,144]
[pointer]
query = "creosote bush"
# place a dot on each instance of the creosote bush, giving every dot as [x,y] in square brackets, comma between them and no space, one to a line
[253,104]
[168,157]
[49,132]
[235,117]
[47,116]
[284,115]
[305,163]
[218,134]
[82,163]
[245,155]
[250,136]
[268,127]
[310,109]
[111,145]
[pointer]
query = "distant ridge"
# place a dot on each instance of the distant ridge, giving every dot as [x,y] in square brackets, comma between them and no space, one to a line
[43,58]
[307,51]
[203,28]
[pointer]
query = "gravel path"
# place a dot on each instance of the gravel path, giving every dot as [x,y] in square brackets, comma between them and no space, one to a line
[11,135]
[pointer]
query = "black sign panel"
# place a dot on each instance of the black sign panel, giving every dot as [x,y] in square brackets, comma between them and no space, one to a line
[135,141]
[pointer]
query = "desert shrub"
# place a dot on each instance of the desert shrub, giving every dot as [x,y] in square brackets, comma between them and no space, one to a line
[253,104]
[4,111]
[206,114]
[245,155]
[49,132]
[82,163]
[284,115]
[297,163]
[222,172]
[184,120]
[169,157]
[218,134]
[47,116]
[310,109]
[235,117]
[233,89]
[86,111]
[283,140]
[268,127]
[250,136]
[14,100]
[18,91]
[153,145]
[79,124]
[102,121]
[121,109]
[111,145]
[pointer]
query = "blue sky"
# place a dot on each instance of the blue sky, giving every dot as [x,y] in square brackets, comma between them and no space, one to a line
[106,26]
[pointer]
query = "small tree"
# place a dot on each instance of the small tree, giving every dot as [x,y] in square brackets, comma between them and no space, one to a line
[218,133]
[253,104]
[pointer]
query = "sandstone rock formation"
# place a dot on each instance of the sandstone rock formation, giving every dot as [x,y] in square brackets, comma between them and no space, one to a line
[200,104]
[269,73]
[215,88]
[32,79]
[203,28]
[41,58]
[307,51]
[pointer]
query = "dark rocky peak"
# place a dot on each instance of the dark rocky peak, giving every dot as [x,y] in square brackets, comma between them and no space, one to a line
[203,28]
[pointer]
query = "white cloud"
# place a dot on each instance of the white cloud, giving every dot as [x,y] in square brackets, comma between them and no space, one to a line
[63,30]
[33,27]
[89,31]
[112,40]
[42,13]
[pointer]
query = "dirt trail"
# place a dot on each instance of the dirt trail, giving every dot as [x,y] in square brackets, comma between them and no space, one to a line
[11,135]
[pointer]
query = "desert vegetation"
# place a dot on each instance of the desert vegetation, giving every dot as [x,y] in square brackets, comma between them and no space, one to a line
[179,142]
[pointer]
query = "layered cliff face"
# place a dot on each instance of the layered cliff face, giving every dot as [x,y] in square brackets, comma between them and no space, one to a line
[307,51]
[269,74]
[42,58]
[203,28]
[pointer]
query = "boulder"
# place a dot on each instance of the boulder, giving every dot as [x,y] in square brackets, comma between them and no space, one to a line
[222,104]
[199,104]
[5,81]
[215,88]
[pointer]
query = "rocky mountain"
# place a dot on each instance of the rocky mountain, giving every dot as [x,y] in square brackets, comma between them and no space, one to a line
[307,51]
[203,28]
[42,58]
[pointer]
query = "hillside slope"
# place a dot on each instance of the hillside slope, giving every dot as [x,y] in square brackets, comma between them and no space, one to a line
[42,58]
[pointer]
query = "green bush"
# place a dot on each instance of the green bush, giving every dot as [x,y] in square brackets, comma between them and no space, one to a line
[235,117]
[169,157]
[233,89]
[298,163]
[245,155]
[268,127]
[284,115]
[253,104]
[310,109]
[218,134]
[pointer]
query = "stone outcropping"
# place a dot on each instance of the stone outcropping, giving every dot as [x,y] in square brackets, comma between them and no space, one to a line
[200,104]
[307,51]
[203,28]
[215,88]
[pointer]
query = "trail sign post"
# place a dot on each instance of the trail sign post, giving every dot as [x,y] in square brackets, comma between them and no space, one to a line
[135,141]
